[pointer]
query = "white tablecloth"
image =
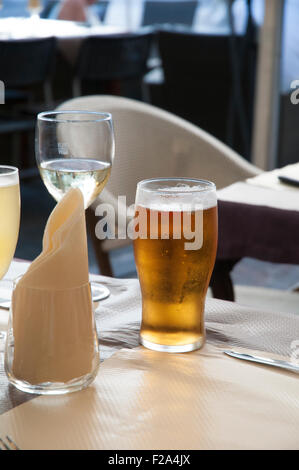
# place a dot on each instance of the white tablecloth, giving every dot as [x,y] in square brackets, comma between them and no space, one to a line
[142,399]
[265,190]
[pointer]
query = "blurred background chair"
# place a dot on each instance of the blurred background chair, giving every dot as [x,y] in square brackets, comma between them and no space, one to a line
[170,12]
[26,68]
[151,143]
[117,63]
[199,82]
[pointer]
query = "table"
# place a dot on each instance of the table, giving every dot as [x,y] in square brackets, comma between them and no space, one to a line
[124,299]
[258,218]
[68,33]
[118,322]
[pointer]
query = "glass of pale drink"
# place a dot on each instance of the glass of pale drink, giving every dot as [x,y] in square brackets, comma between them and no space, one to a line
[9,217]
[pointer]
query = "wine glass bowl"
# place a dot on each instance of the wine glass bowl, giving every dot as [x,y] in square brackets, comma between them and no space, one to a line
[75,149]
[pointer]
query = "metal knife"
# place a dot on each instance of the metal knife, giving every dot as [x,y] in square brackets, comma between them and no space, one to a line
[289,181]
[5,304]
[264,360]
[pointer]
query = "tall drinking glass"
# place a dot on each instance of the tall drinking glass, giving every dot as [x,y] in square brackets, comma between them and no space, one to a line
[9,217]
[175,248]
[75,149]
[34,7]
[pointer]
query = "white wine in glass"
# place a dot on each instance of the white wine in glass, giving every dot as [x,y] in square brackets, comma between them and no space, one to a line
[9,217]
[88,175]
[75,149]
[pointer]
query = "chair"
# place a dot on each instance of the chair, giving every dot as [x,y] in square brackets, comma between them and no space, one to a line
[112,58]
[176,12]
[28,63]
[25,65]
[199,84]
[151,142]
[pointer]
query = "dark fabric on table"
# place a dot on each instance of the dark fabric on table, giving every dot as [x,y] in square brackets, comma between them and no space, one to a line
[260,232]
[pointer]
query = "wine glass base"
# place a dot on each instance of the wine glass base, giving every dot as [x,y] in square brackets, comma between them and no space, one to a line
[99,292]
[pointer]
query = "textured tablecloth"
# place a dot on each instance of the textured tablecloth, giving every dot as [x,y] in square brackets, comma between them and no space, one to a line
[144,399]
[227,325]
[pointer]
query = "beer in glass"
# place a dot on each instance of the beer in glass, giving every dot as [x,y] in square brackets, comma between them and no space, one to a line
[175,242]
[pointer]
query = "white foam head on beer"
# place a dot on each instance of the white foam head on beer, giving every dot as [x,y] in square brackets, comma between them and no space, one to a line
[180,197]
[8,178]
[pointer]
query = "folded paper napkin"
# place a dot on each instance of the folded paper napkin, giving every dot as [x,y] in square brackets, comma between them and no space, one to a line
[63,263]
[52,306]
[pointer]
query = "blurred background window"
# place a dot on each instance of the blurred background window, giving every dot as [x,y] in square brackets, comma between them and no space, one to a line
[197,70]
[16,8]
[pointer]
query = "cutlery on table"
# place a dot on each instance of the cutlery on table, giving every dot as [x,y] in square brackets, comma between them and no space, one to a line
[264,360]
[289,181]
[5,304]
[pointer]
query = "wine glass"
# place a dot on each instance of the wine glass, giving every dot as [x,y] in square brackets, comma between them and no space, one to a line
[75,149]
[34,7]
[9,218]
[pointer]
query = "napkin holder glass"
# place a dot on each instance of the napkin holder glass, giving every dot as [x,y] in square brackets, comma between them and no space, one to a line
[51,343]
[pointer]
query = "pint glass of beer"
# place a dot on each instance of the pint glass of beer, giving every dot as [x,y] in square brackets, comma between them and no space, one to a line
[175,242]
